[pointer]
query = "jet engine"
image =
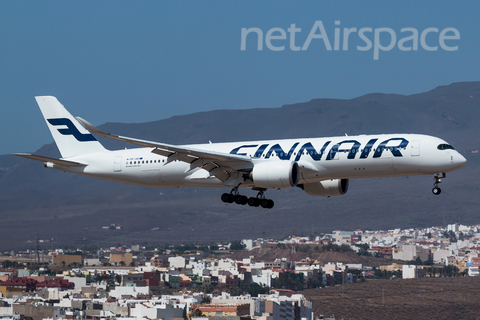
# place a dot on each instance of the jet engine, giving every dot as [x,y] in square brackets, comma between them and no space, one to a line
[326,188]
[275,174]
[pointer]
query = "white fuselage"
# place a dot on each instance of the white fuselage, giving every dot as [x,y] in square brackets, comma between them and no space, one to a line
[343,157]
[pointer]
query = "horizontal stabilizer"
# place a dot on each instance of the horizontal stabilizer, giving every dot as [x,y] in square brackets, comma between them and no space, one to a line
[59,162]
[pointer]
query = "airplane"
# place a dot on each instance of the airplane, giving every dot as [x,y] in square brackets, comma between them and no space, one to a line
[319,166]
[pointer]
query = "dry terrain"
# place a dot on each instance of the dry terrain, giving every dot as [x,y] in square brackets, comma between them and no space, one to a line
[426,298]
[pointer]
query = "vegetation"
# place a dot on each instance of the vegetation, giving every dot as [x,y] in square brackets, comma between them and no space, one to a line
[98,278]
[385,274]
[363,249]
[254,289]
[198,313]
[336,248]
[74,253]
[9,264]
[237,245]
[288,280]
[451,235]
[206,300]
[183,248]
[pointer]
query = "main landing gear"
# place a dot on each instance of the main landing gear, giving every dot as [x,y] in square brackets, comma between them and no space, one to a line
[438,179]
[257,201]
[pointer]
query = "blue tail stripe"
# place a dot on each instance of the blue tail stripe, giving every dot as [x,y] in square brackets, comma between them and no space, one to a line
[71,129]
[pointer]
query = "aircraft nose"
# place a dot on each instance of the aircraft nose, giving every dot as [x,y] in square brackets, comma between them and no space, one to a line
[459,160]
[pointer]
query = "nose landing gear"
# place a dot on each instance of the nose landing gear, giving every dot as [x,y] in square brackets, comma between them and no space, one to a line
[438,179]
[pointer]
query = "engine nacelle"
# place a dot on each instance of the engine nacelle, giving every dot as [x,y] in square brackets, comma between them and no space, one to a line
[326,188]
[275,174]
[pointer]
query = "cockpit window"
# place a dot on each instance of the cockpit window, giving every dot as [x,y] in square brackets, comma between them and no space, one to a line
[444,146]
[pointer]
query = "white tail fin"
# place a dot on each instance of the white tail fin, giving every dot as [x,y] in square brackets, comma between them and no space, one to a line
[71,137]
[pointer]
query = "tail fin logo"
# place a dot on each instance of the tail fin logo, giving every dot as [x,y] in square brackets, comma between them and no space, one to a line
[71,129]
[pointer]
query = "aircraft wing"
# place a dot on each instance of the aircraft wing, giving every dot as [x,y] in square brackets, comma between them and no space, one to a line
[219,164]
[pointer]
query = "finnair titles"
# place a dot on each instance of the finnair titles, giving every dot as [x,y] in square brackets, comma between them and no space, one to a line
[319,166]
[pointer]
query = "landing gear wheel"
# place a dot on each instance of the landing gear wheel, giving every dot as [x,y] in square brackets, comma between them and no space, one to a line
[267,203]
[224,197]
[436,191]
[239,199]
[227,198]
[264,203]
[253,202]
[270,204]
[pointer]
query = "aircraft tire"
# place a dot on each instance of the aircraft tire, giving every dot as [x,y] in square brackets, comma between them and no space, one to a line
[238,199]
[225,197]
[270,204]
[264,203]
[244,200]
[436,191]
[241,200]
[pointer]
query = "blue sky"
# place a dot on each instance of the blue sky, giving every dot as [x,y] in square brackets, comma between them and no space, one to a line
[126,61]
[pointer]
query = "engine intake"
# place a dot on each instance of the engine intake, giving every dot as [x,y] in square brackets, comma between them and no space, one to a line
[326,188]
[275,174]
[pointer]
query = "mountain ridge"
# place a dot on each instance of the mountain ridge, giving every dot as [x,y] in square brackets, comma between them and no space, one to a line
[61,205]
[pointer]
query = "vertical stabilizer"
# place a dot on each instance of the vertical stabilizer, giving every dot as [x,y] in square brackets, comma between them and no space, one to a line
[71,137]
